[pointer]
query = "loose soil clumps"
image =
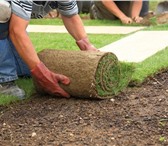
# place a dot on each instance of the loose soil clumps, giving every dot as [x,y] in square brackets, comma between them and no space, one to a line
[136,117]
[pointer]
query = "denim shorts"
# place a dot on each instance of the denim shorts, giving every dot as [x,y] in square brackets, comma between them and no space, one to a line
[11,65]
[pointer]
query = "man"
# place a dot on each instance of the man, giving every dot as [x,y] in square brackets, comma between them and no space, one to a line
[126,11]
[17,54]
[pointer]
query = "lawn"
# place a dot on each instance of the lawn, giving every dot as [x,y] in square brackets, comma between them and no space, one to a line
[142,70]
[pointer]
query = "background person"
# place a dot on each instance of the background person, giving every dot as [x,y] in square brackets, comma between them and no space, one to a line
[126,11]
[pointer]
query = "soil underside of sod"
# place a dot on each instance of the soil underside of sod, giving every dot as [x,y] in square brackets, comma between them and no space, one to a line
[138,116]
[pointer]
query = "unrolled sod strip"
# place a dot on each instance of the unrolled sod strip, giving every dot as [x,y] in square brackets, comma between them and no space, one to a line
[92,74]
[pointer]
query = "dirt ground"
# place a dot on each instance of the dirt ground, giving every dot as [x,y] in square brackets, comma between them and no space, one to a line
[136,117]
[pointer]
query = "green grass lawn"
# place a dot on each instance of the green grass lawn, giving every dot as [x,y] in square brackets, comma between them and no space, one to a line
[141,70]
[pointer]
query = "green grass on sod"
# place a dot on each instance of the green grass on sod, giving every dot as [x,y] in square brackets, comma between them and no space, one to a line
[66,42]
[150,66]
[58,21]
[141,70]
[138,71]
[157,27]
[4,99]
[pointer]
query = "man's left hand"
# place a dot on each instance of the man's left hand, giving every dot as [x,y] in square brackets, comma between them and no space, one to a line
[137,19]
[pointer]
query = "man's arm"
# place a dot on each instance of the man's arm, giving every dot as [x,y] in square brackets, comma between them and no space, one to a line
[44,79]
[112,7]
[75,27]
[22,42]
[136,7]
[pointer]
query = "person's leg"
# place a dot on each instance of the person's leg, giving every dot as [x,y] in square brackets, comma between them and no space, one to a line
[10,66]
[7,63]
[80,6]
[98,11]
[21,68]
[86,6]
[145,8]
[124,6]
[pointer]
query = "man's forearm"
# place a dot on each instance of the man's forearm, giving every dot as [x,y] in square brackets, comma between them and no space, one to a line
[25,49]
[75,27]
[22,41]
[136,8]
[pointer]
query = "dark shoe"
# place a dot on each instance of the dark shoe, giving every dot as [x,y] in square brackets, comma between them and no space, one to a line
[10,88]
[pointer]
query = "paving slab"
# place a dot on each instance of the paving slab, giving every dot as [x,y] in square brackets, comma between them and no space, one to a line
[89,29]
[138,46]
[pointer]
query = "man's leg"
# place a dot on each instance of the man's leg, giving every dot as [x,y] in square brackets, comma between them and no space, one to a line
[98,11]
[80,6]
[124,6]
[21,68]
[145,8]
[7,63]
[9,66]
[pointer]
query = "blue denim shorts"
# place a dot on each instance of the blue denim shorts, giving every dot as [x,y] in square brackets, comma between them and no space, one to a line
[11,64]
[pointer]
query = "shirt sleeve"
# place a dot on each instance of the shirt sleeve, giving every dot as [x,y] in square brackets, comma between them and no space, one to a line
[22,8]
[67,8]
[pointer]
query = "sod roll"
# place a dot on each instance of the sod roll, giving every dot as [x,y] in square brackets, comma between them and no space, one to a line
[92,74]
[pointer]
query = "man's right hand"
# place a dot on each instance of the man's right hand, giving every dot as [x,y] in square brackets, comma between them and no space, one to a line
[48,82]
[85,45]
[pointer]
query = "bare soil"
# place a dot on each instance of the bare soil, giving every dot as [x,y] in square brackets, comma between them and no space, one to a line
[136,117]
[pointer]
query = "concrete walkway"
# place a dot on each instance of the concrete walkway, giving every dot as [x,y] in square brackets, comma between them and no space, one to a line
[89,29]
[133,48]
[138,46]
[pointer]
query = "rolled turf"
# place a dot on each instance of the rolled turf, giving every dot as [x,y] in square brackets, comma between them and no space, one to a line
[92,74]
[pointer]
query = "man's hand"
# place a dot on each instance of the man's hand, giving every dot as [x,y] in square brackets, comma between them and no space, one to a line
[126,20]
[85,45]
[48,82]
[137,19]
